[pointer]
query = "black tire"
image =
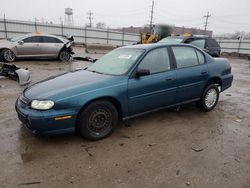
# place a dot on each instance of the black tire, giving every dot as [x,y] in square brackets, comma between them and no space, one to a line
[64,55]
[209,98]
[97,120]
[8,56]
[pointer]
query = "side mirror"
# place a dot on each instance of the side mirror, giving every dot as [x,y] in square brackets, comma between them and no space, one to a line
[206,49]
[142,72]
[20,42]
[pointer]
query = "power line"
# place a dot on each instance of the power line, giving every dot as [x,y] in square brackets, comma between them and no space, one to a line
[206,22]
[151,16]
[224,21]
[90,17]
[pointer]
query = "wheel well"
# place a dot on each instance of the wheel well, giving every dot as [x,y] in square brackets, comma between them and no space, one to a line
[114,101]
[1,49]
[1,58]
[215,80]
[4,49]
[60,51]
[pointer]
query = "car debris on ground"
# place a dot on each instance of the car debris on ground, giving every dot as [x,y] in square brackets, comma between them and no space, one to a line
[85,58]
[15,73]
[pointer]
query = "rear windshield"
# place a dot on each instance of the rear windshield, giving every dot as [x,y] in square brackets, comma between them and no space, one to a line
[212,43]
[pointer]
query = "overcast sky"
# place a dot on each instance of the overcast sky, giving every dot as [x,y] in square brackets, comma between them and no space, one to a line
[227,15]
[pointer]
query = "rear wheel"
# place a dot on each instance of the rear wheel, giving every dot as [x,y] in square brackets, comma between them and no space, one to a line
[209,98]
[97,120]
[7,55]
[64,56]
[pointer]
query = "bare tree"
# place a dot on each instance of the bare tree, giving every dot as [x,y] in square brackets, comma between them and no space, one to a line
[101,25]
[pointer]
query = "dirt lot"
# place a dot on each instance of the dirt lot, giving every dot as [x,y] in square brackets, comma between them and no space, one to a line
[169,148]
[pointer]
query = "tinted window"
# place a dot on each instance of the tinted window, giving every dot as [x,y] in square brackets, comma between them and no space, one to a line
[58,41]
[212,43]
[199,43]
[185,56]
[201,57]
[46,39]
[156,61]
[33,39]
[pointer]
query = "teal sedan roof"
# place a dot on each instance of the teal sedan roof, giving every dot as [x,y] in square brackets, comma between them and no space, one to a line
[152,46]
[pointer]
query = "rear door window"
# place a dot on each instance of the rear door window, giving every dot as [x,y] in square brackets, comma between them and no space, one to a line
[185,56]
[47,39]
[201,57]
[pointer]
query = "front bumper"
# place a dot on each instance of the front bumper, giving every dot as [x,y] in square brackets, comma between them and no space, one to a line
[45,122]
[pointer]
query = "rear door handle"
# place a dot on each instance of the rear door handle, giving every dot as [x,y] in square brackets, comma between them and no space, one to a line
[204,72]
[170,78]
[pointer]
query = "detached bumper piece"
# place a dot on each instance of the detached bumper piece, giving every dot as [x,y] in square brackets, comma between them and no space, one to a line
[15,73]
[86,58]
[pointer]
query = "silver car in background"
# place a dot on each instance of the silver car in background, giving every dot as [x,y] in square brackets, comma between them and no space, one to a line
[35,46]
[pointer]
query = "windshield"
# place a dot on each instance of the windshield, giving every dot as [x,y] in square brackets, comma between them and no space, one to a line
[116,62]
[171,40]
[17,38]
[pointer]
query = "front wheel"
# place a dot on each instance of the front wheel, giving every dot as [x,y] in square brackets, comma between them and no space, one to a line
[8,56]
[64,56]
[97,120]
[209,98]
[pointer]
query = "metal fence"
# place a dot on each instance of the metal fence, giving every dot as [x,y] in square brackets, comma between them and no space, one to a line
[235,46]
[10,28]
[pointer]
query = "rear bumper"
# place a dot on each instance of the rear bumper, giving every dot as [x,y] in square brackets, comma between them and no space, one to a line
[44,122]
[227,81]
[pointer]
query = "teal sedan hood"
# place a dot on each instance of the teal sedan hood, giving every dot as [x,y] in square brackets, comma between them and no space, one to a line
[70,83]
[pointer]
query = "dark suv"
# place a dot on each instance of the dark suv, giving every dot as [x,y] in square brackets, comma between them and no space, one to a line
[208,44]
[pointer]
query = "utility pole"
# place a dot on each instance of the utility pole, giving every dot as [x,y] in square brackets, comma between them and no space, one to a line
[36,24]
[152,15]
[206,22]
[90,17]
[61,23]
[5,27]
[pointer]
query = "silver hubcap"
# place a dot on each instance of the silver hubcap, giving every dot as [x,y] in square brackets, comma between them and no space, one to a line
[210,98]
[64,56]
[9,55]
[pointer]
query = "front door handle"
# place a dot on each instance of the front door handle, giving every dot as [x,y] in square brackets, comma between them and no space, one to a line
[204,72]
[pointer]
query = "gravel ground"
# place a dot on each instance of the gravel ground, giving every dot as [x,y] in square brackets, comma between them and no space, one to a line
[170,148]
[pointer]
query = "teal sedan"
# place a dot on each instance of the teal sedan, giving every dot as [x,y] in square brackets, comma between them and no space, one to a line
[125,83]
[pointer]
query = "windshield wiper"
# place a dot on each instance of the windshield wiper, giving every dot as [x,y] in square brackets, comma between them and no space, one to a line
[94,71]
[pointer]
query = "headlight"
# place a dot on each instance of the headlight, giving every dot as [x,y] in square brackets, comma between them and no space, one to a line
[42,105]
